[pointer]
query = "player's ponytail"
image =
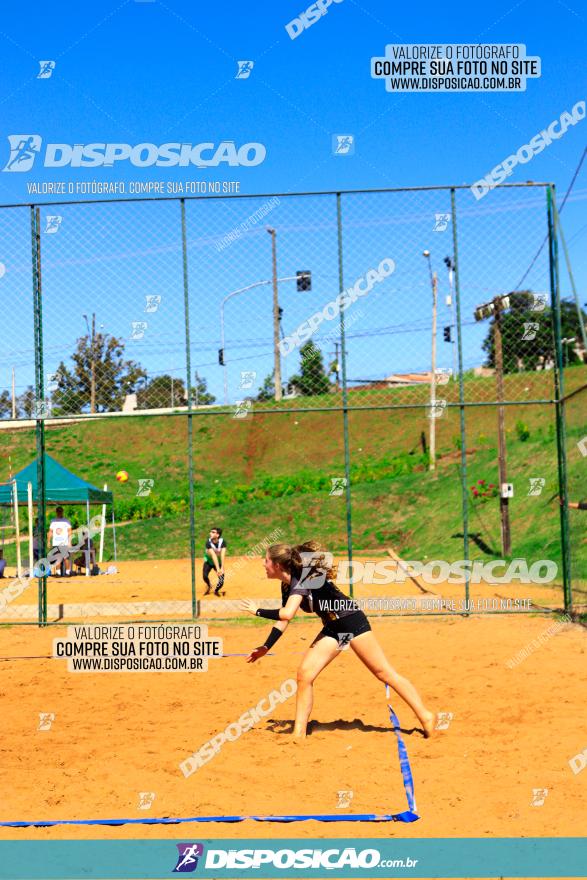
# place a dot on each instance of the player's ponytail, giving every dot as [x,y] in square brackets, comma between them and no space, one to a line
[307,560]
[315,560]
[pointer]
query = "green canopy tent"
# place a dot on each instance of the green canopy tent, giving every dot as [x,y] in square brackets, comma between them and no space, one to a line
[61,487]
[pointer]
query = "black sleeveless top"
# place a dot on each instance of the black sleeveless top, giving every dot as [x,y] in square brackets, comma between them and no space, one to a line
[320,597]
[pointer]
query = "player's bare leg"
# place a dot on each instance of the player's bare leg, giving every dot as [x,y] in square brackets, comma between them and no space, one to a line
[369,651]
[317,657]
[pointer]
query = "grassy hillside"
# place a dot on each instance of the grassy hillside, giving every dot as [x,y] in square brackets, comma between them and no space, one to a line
[275,470]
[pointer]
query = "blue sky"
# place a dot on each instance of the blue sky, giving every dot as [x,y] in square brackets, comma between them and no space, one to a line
[165,71]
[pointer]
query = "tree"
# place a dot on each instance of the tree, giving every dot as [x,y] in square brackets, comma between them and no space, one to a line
[312,378]
[115,377]
[5,404]
[25,402]
[532,353]
[162,391]
[267,389]
[200,395]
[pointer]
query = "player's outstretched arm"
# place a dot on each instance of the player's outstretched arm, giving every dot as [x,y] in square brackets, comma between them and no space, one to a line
[281,616]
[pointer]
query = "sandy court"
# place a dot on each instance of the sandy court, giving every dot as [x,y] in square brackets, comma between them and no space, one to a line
[167,583]
[115,735]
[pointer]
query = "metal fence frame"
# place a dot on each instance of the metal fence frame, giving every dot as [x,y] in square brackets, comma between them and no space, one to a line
[558,402]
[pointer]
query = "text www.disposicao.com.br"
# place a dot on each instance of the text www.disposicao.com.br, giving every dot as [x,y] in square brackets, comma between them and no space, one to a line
[134,664]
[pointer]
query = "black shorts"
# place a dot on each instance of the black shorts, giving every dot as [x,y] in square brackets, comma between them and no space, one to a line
[343,629]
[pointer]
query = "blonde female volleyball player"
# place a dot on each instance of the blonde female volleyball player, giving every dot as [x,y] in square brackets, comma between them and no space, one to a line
[306,576]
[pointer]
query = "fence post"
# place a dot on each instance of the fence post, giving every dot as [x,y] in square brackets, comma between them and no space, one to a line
[464,496]
[345,412]
[188,367]
[39,396]
[559,396]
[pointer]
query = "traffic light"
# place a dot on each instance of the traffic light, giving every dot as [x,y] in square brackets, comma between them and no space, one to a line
[304,280]
[447,337]
[221,356]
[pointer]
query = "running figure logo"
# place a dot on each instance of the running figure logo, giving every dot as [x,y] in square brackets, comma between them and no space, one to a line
[530,331]
[242,409]
[53,380]
[338,485]
[53,223]
[344,799]
[437,410]
[539,302]
[443,721]
[138,329]
[538,797]
[244,69]
[145,487]
[343,144]
[23,151]
[46,71]
[315,563]
[537,484]
[153,302]
[187,860]
[443,375]
[39,409]
[441,222]
[46,719]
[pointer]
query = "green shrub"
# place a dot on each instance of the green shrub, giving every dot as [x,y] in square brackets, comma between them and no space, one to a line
[523,431]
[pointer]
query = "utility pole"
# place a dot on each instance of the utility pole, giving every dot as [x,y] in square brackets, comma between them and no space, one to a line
[336,369]
[276,352]
[450,266]
[434,284]
[13,396]
[494,308]
[433,376]
[503,502]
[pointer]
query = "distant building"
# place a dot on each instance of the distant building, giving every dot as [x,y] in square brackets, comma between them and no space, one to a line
[395,380]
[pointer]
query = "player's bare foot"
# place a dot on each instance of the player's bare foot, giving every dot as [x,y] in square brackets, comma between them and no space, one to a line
[429,724]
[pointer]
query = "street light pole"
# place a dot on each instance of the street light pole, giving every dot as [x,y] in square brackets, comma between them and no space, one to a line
[222,330]
[276,352]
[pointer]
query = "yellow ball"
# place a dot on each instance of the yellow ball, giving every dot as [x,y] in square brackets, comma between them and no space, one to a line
[122,476]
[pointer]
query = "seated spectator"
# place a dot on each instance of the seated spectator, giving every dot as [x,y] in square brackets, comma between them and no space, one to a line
[60,536]
[87,553]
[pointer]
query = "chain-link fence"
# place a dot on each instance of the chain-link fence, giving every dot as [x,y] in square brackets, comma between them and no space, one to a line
[382,371]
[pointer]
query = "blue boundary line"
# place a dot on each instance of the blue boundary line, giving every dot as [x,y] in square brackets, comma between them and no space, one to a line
[408,815]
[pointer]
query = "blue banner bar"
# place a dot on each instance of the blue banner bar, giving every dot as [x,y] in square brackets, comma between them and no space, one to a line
[334,858]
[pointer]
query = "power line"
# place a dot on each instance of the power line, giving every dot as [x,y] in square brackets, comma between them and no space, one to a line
[572,183]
